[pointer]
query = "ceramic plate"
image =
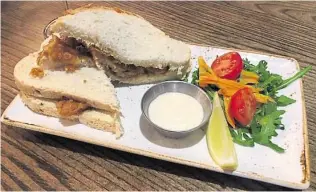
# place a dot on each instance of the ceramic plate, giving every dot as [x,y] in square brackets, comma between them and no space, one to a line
[290,169]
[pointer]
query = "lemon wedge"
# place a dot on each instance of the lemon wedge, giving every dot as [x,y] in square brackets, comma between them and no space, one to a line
[219,141]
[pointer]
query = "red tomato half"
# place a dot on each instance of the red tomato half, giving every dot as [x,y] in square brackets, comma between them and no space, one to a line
[243,106]
[228,66]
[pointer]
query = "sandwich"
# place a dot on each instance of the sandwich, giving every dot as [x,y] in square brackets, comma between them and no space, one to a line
[124,45]
[85,94]
[70,76]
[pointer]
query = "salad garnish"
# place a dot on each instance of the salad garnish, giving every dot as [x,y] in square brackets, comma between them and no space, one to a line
[249,94]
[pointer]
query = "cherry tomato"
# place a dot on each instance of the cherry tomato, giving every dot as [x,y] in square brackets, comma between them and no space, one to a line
[243,106]
[228,66]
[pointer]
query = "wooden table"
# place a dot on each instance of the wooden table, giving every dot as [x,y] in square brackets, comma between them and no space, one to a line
[35,161]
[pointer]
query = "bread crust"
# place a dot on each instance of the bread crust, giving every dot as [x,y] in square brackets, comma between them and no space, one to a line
[98,7]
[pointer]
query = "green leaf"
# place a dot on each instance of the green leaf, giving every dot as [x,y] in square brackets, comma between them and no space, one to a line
[233,133]
[246,136]
[272,79]
[275,115]
[239,134]
[277,121]
[269,108]
[195,77]
[248,66]
[294,78]
[210,94]
[244,130]
[261,138]
[241,138]
[246,143]
[262,71]
[186,77]
[254,125]
[284,100]
[267,125]
[210,91]
[262,66]
[267,142]
[268,130]
[275,147]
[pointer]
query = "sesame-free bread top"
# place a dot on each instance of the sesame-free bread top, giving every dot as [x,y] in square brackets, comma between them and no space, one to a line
[126,36]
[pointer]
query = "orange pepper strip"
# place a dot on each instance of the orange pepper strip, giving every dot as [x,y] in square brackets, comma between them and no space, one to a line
[246,80]
[235,84]
[229,118]
[263,98]
[249,74]
[247,77]
[205,71]
[227,92]
[203,67]
[225,83]
[203,84]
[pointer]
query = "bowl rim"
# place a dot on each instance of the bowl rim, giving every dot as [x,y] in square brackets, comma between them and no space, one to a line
[186,84]
[46,28]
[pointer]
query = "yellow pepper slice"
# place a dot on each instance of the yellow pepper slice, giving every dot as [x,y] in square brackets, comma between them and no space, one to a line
[263,98]
[247,77]
[229,118]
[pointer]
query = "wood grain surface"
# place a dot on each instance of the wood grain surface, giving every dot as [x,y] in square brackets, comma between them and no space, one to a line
[36,161]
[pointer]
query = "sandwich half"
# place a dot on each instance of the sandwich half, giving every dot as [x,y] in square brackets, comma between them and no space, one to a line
[84,94]
[124,45]
[94,118]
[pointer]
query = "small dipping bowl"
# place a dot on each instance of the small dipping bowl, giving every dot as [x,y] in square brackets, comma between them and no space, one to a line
[180,87]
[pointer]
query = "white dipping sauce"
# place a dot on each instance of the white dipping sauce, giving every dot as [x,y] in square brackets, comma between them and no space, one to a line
[175,111]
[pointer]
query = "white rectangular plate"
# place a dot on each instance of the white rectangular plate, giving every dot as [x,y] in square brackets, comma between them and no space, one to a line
[290,169]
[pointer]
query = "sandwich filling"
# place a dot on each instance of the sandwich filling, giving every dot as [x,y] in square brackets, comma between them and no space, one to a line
[73,110]
[67,108]
[117,68]
[69,54]
[58,56]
